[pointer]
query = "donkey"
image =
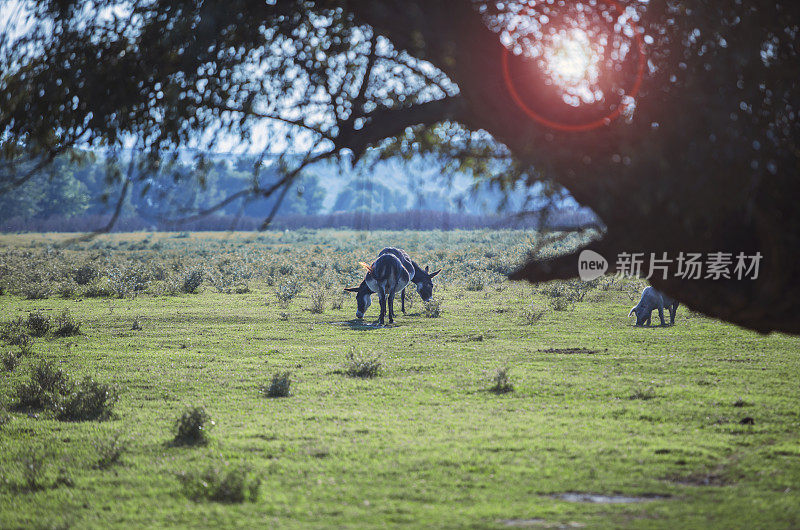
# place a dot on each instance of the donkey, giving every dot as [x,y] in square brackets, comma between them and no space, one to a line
[386,276]
[419,276]
[651,300]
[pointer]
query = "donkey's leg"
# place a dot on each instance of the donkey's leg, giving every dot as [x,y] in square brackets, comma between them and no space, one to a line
[403,300]
[391,304]
[382,296]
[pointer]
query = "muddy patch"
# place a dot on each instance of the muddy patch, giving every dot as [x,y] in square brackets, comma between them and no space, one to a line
[571,351]
[597,498]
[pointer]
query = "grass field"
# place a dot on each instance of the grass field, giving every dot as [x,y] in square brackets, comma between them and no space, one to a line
[698,423]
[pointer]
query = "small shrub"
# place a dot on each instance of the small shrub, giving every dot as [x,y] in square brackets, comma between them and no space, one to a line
[192,427]
[84,274]
[137,324]
[643,393]
[560,303]
[192,281]
[98,290]
[34,468]
[287,291]
[66,325]
[338,302]
[359,364]
[88,401]
[45,388]
[284,316]
[433,308]
[36,291]
[501,383]
[109,451]
[279,386]
[475,283]
[10,360]
[15,333]
[231,485]
[409,297]
[286,269]
[531,315]
[317,302]
[128,281]
[5,417]
[38,324]
[66,289]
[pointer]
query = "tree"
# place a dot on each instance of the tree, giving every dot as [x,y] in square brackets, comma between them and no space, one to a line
[696,102]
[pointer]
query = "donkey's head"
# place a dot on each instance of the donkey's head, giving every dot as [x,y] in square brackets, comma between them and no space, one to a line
[641,314]
[424,282]
[363,298]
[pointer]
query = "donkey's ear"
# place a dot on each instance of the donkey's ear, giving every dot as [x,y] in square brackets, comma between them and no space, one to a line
[435,273]
[426,269]
[351,289]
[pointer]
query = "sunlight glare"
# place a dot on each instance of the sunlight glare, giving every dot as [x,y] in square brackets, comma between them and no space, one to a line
[572,63]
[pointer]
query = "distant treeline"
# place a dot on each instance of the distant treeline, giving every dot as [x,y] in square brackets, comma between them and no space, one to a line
[409,220]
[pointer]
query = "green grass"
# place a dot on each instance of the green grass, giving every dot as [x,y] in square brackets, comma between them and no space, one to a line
[598,406]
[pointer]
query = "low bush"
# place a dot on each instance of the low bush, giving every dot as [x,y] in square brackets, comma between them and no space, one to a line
[109,451]
[230,484]
[359,364]
[50,389]
[475,283]
[531,315]
[44,390]
[36,291]
[87,401]
[501,382]
[65,325]
[279,386]
[317,302]
[192,281]
[15,333]
[287,291]
[38,324]
[192,427]
[433,308]
[34,465]
[84,274]
[10,360]
[643,393]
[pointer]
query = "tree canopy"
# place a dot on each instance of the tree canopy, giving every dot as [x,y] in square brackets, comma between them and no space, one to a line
[682,134]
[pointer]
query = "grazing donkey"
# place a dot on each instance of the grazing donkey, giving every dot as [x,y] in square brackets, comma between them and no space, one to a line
[652,299]
[386,277]
[419,276]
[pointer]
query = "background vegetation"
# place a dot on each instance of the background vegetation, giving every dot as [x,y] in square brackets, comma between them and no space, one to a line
[221,380]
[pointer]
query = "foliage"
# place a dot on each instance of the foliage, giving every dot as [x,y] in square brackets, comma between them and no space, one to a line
[110,450]
[50,389]
[65,325]
[287,291]
[230,484]
[192,427]
[279,386]
[192,281]
[38,324]
[433,308]
[87,401]
[501,383]
[361,364]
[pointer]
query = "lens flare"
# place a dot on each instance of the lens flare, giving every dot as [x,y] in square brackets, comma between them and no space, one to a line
[571,59]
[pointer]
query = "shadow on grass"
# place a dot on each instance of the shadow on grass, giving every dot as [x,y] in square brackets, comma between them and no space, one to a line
[364,325]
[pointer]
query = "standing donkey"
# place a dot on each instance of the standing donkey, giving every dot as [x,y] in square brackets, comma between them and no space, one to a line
[417,275]
[386,276]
